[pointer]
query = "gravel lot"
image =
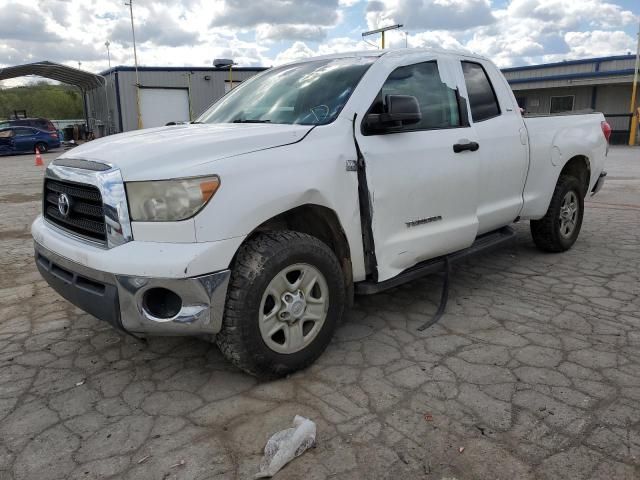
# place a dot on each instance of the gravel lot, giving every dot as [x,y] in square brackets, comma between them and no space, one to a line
[532,373]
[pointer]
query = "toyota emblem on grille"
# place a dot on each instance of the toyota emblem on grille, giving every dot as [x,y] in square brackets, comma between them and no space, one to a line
[64,205]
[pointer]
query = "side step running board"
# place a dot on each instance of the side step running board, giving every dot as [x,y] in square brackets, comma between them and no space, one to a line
[435,265]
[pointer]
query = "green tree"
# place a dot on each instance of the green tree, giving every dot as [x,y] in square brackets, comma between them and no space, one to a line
[42,100]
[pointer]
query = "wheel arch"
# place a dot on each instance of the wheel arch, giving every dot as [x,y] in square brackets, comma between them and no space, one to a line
[320,222]
[579,167]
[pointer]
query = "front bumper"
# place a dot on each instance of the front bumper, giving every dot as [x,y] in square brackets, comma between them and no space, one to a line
[599,183]
[119,299]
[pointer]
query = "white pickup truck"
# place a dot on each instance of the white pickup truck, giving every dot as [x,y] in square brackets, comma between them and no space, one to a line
[309,183]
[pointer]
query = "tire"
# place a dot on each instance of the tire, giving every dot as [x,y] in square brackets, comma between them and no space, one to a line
[42,147]
[552,232]
[265,271]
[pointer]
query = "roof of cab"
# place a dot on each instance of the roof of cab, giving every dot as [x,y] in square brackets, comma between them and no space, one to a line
[398,52]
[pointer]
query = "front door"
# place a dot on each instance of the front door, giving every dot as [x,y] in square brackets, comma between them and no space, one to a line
[25,139]
[423,194]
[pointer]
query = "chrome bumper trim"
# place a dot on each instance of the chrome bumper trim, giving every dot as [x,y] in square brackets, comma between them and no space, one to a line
[203,298]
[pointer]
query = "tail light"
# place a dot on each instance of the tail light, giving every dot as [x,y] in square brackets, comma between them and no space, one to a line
[54,134]
[606,130]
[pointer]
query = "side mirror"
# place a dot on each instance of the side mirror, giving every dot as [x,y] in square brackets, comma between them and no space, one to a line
[401,110]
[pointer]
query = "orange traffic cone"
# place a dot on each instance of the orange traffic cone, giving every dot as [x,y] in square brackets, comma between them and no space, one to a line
[39,162]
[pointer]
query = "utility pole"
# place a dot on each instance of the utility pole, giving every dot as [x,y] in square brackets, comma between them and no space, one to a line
[135,60]
[634,93]
[381,31]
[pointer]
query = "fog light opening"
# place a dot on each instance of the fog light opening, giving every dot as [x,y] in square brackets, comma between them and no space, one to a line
[161,303]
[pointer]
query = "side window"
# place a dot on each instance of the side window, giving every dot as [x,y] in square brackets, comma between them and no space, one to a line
[482,97]
[23,132]
[438,102]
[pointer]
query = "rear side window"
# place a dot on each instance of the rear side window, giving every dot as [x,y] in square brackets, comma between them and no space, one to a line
[482,97]
[438,103]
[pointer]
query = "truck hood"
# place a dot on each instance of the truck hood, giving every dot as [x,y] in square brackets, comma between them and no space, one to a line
[166,152]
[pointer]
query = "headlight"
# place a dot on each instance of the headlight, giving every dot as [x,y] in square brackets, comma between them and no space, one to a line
[169,200]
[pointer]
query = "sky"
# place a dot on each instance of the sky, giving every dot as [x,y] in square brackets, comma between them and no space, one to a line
[272,32]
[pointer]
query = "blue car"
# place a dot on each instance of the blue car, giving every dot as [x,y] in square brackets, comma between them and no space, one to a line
[27,139]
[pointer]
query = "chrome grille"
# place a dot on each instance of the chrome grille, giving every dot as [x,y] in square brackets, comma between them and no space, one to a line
[86,213]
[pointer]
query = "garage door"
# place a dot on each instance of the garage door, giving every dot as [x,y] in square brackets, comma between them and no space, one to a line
[162,105]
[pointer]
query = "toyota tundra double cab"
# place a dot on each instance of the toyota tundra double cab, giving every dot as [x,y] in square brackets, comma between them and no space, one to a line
[311,182]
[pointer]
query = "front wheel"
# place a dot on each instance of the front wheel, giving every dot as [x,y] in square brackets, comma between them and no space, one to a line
[286,296]
[558,230]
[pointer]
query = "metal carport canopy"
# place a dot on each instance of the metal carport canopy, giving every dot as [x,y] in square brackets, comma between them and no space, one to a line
[55,71]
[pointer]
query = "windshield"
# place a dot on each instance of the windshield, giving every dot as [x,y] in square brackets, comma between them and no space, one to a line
[310,93]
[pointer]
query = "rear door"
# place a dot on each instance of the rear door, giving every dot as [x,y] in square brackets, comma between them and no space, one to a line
[423,194]
[503,144]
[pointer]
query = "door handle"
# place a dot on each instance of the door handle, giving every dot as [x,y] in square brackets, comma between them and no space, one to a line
[463,145]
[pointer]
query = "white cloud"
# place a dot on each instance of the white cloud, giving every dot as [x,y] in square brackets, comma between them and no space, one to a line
[300,50]
[270,33]
[430,14]
[598,43]
[436,39]
[570,13]
[267,32]
[249,13]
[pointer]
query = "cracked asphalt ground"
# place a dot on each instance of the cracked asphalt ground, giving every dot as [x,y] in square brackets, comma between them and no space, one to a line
[533,372]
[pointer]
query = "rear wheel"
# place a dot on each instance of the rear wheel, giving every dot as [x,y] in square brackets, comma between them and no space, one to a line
[558,230]
[41,147]
[286,296]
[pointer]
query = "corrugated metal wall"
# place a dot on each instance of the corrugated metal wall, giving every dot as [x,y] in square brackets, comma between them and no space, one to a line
[549,71]
[202,94]
[103,120]
[570,68]
[613,98]
[620,64]
[539,101]
[608,98]
[535,73]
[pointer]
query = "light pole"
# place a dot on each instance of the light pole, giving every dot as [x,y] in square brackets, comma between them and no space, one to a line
[135,60]
[634,91]
[106,44]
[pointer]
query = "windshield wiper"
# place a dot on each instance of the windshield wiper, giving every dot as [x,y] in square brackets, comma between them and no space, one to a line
[251,121]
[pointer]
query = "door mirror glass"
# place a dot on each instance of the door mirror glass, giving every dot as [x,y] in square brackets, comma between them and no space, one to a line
[401,110]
